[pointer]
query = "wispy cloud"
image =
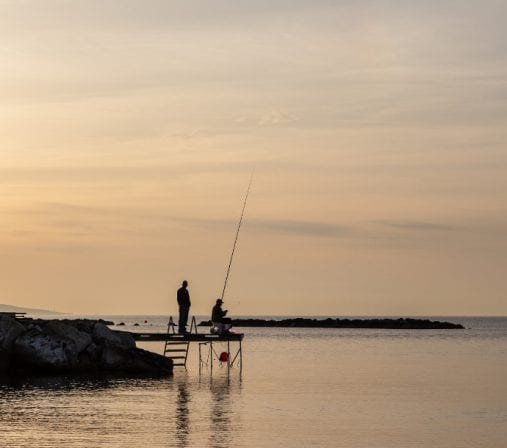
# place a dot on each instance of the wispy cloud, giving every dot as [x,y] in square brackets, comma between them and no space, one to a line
[276,118]
[97,173]
[423,226]
[301,228]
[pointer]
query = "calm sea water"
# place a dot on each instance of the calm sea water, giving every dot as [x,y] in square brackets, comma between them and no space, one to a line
[298,388]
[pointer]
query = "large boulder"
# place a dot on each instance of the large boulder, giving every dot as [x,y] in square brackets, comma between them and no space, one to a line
[63,330]
[135,360]
[5,361]
[10,329]
[89,358]
[40,351]
[102,335]
[56,346]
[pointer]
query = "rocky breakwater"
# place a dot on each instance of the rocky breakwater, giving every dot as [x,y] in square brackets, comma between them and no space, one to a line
[300,322]
[81,346]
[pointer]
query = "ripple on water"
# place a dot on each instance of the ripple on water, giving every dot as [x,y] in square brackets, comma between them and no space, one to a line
[299,388]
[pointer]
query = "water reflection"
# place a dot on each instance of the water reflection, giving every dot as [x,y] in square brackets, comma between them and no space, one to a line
[54,383]
[182,414]
[185,410]
[221,412]
[75,411]
[74,383]
[204,410]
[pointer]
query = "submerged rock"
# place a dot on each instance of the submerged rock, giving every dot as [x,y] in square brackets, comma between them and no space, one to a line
[81,345]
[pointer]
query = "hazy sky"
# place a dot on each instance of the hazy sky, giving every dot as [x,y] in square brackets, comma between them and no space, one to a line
[377,131]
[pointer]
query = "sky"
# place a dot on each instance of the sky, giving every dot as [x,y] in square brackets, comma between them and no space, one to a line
[376,131]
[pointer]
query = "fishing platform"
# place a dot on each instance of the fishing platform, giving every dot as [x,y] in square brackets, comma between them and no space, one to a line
[177,346]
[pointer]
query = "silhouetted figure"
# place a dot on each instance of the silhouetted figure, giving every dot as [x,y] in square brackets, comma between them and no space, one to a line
[183,298]
[217,314]
[221,324]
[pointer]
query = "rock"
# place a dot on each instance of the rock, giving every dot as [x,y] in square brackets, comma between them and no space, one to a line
[5,361]
[135,360]
[10,329]
[146,361]
[37,346]
[102,335]
[94,351]
[63,330]
[37,350]
[402,324]
[106,322]
[113,357]
[84,325]
[127,340]
[89,359]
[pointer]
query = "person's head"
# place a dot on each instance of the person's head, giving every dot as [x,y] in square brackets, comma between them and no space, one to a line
[184,284]
[219,302]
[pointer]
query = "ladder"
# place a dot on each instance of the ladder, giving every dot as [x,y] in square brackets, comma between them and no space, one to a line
[177,345]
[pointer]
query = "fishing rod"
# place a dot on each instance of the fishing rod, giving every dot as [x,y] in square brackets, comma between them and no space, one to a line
[236,238]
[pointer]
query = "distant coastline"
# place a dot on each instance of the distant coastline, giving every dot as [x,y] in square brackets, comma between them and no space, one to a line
[19,309]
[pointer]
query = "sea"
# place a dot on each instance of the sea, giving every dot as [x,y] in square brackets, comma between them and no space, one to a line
[297,387]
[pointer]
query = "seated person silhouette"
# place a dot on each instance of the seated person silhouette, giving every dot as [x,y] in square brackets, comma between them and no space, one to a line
[220,323]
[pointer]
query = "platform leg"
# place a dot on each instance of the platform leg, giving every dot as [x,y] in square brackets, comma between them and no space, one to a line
[240,358]
[200,359]
[228,357]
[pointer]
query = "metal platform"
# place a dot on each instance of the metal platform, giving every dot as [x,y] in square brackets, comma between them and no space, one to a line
[190,337]
[177,346]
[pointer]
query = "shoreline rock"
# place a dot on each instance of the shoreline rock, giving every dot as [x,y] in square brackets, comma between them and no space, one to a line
[38,346]
[391,324]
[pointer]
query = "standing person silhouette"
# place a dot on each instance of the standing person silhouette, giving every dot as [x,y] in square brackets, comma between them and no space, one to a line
[183,298]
